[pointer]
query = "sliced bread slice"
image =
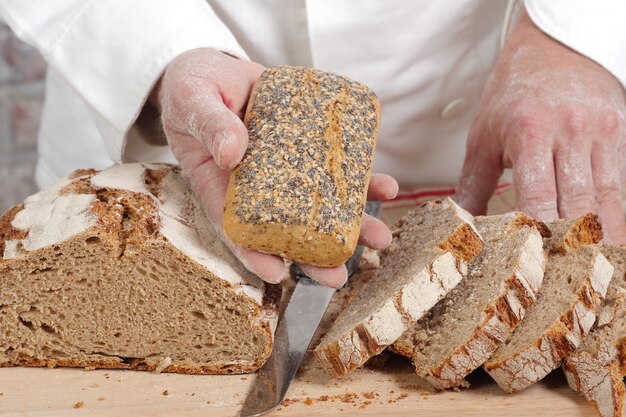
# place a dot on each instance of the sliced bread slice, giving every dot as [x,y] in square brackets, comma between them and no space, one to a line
[575,282]
[570,234]
[464,329]
[121,269]
[426,260]
[598,367]
[495,227]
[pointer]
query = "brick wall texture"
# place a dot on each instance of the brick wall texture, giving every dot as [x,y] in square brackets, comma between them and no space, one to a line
[22,73]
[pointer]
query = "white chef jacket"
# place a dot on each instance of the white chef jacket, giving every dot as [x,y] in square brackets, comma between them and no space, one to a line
[426,60]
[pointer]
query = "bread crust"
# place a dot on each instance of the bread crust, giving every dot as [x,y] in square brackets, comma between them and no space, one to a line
[137,365]
[598,367]
[570,234]
[313,222]
[600,378]
[403,346]
[534,362]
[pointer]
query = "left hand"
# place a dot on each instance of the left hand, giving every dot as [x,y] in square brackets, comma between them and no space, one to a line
[558,120]
[202,97]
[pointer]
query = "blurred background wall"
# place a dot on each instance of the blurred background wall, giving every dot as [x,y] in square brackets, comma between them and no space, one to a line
[22,74]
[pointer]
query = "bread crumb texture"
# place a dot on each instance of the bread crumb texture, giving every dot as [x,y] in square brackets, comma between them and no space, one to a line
[464,329]
[425,261]
[598,367]
[575,283]
[121,269]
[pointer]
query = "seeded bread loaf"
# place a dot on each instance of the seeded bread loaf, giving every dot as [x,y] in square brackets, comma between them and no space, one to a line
[425,261]
[575,282]
[121,269]
[598,367]
[464,329]
[300,190]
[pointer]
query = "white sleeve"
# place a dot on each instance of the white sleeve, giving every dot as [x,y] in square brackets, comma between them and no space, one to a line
[112,52]
[596,29]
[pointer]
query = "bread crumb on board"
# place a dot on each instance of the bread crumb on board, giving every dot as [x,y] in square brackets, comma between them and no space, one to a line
[166,392]
[79,404]
[349,397]
[101,398]
[288,401]
[395,399]
[370,395]
[163,365]
[360,401]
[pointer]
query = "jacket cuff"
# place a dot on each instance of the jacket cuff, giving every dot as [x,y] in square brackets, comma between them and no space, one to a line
[594,29]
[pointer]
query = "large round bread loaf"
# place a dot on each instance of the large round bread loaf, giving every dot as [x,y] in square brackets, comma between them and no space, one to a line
[121,269]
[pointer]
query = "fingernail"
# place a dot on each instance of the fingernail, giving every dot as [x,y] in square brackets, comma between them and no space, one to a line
[388,240]
[222,139]
[338,281]
[271,275]
[276,279]
[343,280]
[393,193]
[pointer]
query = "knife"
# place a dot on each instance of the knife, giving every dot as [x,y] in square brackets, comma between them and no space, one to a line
[296,328]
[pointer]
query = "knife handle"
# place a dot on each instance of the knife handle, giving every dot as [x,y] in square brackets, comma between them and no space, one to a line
[352,264]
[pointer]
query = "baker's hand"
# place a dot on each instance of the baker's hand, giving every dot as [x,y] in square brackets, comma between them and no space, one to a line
[202,97]
[557,119]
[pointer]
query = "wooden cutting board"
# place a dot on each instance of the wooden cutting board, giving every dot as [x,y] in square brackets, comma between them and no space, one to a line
[389,391]
[386,388]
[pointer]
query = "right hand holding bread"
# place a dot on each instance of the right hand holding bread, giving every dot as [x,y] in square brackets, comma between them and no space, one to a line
[202,96]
